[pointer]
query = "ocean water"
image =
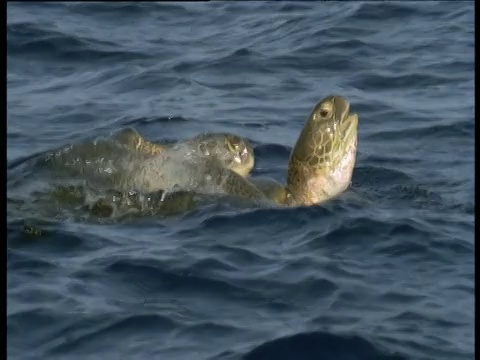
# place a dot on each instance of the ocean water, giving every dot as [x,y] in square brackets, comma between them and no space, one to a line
[386,271]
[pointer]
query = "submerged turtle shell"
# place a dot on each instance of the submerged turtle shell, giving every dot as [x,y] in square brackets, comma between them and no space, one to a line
[127,161]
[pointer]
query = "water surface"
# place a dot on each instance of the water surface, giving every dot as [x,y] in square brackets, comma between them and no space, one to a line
[384,272]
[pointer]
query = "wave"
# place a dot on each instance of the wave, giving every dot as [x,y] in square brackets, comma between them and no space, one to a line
[319,345]
[27,39]
[456,130]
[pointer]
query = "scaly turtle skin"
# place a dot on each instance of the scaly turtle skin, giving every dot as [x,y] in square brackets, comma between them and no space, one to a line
[322,161]
[320,166]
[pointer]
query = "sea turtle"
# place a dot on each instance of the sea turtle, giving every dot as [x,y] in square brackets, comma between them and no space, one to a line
[85,174]
[236,151]
[320,166]
[104,157]
[233,151]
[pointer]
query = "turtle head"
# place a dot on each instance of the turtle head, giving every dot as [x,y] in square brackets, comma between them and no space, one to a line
[234,152]
[322,160]
[239,156]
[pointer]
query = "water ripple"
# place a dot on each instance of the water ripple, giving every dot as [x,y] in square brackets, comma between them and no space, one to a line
[319,345]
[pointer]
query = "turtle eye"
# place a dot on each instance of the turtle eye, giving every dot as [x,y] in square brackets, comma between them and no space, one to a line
[325,110]
[203,148]
[324,113]
[232,147]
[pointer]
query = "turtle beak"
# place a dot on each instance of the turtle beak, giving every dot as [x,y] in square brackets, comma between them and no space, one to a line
[348,122]
[342,108]
[238,159]
[349,126]
[247,158]
[244,154]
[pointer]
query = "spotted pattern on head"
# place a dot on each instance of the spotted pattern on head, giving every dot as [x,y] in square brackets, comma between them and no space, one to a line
[323,157]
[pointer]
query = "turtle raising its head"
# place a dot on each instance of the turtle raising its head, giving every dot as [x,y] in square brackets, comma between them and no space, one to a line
[320,167]
[322,161]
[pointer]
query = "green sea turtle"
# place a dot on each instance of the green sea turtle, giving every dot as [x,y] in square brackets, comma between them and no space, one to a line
[105,157]
[97,166]
[320,166]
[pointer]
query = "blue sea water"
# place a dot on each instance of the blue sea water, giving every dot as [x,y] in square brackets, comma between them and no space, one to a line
[386,271]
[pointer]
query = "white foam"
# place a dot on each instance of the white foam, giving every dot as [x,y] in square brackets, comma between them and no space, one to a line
[178,168]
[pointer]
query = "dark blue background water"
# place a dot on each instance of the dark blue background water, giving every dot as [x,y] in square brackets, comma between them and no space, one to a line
[384,272]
